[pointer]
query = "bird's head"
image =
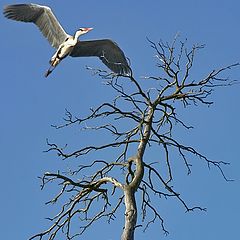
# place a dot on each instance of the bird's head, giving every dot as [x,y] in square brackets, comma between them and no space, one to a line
[82,31]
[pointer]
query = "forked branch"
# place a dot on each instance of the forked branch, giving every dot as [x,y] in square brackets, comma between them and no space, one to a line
[144,113]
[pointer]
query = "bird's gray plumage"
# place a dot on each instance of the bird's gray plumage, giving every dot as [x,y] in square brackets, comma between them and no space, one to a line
[107,50]
[42,16]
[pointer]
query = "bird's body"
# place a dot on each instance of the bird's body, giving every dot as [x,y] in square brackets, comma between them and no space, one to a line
[65,49]
[107,50]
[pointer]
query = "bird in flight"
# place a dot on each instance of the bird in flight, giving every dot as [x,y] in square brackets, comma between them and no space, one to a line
[107,50]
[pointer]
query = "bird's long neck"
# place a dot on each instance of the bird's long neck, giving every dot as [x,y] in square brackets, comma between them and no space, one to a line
[77,35]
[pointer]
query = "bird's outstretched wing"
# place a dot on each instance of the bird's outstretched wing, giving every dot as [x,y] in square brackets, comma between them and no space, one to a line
[42,16]
[107,50]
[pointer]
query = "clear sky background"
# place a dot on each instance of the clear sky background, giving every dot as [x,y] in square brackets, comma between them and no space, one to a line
[30,104]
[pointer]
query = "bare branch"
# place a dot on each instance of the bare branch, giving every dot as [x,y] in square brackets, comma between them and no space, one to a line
[142,116]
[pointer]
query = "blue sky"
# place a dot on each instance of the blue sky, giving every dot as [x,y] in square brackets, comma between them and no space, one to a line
[30,104]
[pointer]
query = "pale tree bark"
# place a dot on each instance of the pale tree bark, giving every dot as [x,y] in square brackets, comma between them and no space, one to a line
[130,213]
[129,190]
[144,113]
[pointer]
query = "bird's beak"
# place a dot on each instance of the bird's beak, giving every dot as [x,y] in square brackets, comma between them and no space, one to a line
[89,29]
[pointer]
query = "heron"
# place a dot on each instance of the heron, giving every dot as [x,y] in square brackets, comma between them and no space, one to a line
[67,45]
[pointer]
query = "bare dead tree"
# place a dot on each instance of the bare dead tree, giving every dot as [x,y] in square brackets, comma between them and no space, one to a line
[143,114]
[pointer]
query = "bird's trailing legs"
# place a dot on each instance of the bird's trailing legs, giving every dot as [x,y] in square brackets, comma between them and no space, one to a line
[49,71]
[55,60]
[62,52]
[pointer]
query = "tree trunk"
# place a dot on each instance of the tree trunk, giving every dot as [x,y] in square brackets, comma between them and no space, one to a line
[130,190]
[130,213]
